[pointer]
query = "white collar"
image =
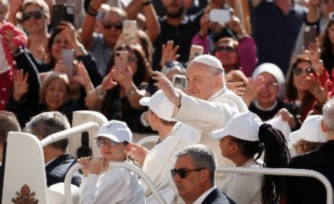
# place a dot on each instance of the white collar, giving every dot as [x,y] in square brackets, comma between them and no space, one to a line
[200,199]
[257,105]
[215,95]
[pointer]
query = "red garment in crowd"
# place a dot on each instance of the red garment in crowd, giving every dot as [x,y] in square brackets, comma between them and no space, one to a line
[6,76]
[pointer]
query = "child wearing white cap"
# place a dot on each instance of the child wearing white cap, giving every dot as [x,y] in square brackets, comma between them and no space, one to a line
[103,185]
[309,137]
[242,140]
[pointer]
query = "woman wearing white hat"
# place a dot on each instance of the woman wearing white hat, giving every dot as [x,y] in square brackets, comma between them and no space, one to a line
[263,92]
[117,185]
[243,144]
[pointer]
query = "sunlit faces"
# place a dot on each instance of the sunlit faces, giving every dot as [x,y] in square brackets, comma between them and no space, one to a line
[55,94]
[226,146]
[267,95]
[60,42]
[201,81]
[112,19]
[303,80]
[33,24]
[112,151]
[174,8]
[188,187]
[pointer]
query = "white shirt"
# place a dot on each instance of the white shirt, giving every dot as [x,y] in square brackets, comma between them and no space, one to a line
[117,185]
[161,159]
[200,199]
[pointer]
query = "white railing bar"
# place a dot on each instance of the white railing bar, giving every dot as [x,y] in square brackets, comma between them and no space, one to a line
[66,133]
[284,172]
[145,178]
[148,139]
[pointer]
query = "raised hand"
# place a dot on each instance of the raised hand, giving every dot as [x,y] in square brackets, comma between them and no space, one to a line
[69,31]
[287,117]
[137,153]
[21,85]
[123,77]
[169,53]
[253,88]
[317,90]
[108,82]
[9,35]
[167,87]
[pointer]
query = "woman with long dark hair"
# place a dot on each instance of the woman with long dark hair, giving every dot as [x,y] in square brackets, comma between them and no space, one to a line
[244,145]
[119,94]
[327,45]
[308,85]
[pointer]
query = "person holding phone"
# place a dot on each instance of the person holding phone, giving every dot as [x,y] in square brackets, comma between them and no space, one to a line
[237,50]
[123,86]
[35,19]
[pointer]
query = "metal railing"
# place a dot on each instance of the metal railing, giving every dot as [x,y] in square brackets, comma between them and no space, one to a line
[139,172]
[284,172]
[67,133]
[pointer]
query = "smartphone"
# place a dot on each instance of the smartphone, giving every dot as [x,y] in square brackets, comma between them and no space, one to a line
[62,13]
[121,59]
[220,15]
[67,56]
[130,30]
[195,51]
[180,82]
[310,33]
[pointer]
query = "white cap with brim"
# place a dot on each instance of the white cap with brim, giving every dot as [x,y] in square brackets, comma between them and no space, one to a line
[309,131]
[244,126]
[160,105]
[115,130]
[209,60]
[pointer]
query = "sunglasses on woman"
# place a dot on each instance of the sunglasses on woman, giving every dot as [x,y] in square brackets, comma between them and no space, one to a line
[226,48]
[36,14]
[299,71]
[118,26]
[182,172]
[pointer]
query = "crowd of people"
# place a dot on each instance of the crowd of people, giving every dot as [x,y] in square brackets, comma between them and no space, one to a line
[217,93]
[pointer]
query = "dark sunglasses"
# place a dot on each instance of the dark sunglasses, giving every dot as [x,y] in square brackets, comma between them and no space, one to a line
[226,48]
[118,26]
[36,14]
[298,71]
[183,172]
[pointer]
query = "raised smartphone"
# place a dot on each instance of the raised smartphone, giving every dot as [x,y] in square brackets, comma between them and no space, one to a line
[121,59]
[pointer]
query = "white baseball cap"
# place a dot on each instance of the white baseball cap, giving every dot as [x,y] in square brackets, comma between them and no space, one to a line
[309,131]
[209,60]
[115,130]
[244,126]
[160,105]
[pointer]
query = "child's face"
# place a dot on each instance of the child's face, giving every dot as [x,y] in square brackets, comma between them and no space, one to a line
[3,12]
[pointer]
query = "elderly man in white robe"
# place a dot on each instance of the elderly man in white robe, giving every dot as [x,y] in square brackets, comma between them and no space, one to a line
[208,104]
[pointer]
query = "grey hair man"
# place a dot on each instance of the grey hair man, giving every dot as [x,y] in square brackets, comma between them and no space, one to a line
[318,160]
[194,176]
[207,94]
[8,122]
[57,161]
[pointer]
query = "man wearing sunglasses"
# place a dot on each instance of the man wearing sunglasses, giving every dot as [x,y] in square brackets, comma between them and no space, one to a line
[194,176]
[101,46]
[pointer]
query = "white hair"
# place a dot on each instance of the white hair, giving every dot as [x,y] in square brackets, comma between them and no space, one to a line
[328,115]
